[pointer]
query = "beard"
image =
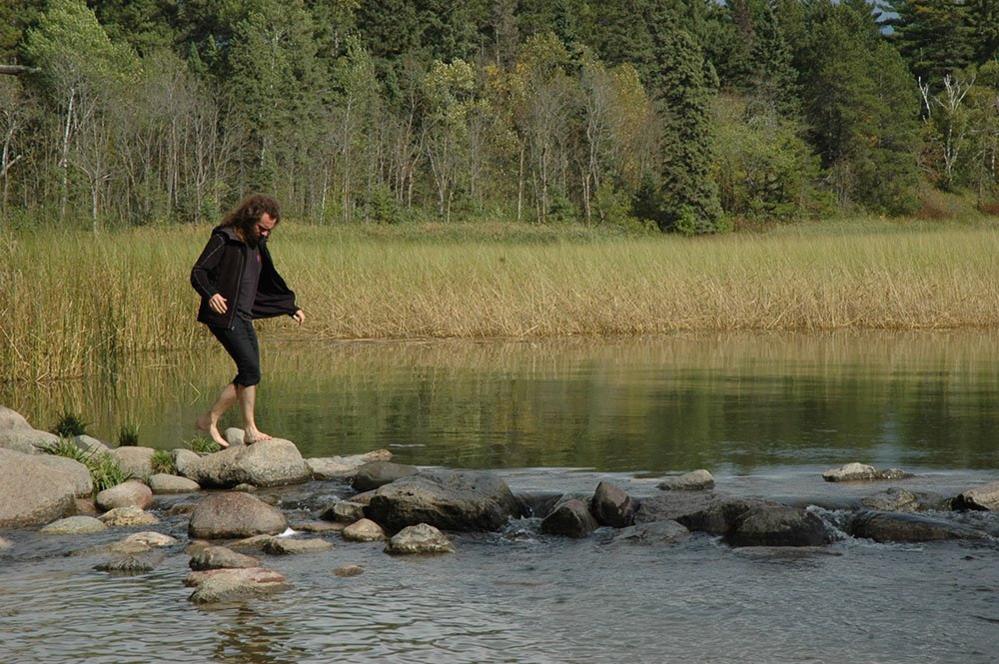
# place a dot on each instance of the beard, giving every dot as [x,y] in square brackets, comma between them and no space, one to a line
[252,241]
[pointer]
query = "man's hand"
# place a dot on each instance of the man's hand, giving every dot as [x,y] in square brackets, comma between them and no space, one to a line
[299,316]
[217,304]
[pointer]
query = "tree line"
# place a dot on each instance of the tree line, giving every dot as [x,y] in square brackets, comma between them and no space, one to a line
[676,114]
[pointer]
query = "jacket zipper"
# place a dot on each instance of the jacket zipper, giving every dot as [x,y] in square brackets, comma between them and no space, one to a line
[239,284]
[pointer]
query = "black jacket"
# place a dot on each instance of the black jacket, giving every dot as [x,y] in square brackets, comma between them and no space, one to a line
[219,269]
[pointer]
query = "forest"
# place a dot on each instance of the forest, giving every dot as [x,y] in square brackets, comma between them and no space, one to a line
[677,115]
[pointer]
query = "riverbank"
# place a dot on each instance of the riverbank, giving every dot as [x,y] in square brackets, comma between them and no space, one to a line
[72,302]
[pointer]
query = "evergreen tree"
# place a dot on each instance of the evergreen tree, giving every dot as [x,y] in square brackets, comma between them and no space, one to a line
[985,29]
[775,80]
[686,198]
[934,36]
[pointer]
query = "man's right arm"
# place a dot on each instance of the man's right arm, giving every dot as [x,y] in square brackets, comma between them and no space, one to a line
[207,261]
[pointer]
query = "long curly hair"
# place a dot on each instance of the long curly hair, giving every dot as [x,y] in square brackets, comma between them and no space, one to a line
[245,215]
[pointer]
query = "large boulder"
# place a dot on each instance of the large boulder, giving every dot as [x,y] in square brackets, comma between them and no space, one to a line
[680,506]
[126,494]
[902,500]
[82,479]
[16,434]
[985,497]
[612,506]
[571,518]
[364,530]
[135,461]
[859,472]
[328,468]
[235,514]
[895,527]
[272,462]
[695,480]
[657,532]
[778,526]
[184,459]
[377,474]
[451,500]
[162,483]
[33,491]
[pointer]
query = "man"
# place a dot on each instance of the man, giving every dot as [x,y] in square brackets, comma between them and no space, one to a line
[237,282]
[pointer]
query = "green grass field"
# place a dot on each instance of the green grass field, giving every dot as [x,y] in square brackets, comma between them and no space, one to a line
[71,302]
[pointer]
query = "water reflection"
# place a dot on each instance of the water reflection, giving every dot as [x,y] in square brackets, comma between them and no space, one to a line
[625,404]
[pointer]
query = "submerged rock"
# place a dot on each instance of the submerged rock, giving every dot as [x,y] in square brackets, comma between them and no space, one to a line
[284,546]
[895,527]
[255,543]
[266,463]
[571,518]
[75,525]
[375,474]
[858,472]
[345,511]
[348,570]
[328,468]
[452,500]
[5,544]
[150,538]
[127,494]
[127,565]
[658,532]
[612,506]
[233,584]
[318,526]
[234,514]
[985,497]
[421,538]
[33,491]
[219,557]
[778,526]
[364,530]
[901,500]
[695,480]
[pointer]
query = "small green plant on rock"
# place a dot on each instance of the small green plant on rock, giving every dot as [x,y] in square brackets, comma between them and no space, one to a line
[163,462]
[70,424]
[203,445]
[128,435]
[105,471]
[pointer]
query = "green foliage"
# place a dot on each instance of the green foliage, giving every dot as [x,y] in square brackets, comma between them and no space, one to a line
[128,435]
[70,424]
[105,471]
[162,462]
[934,36]
[202,445]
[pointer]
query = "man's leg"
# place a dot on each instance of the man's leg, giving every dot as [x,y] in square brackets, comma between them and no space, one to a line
[247,400]
[209,421]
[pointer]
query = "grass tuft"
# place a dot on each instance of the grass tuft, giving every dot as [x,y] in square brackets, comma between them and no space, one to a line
[70,424]
[163,462]
[128,435]
[203,445]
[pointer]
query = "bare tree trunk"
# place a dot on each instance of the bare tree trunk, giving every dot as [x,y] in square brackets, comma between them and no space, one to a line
[64,161]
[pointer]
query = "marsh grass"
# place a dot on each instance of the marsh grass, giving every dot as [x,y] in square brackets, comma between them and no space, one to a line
[70,424]
[128,435]
[72,303]
[162,462]
[202,445]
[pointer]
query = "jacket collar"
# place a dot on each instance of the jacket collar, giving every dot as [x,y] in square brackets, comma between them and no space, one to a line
[230,234]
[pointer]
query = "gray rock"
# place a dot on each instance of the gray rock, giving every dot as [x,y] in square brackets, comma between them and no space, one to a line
[150,538]
[376,474]
[345,511]
[219,557]
[421,538]
[32,491]
[778,526]
[985,497]
[255,543]
[695,480]
[127,565]
[364,530]
[679,506]
[75,525]
[234,436]
[232,584]
[136,461]
[657,532]
[318,526]
[570,518]
[328,468]
[895,527]
[82,481]
[245,488]
[17,435]
[272,462]
[11,420]
[858,472]
[5,544]
[282,546]
[452,500]
[162,483]
[184,459]
[892,500]
[612,506]
[128,516]
[349,570]
[85,507]
[91,445]
[127,494]
[234,514]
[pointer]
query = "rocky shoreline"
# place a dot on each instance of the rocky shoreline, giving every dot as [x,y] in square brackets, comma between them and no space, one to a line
[246,503]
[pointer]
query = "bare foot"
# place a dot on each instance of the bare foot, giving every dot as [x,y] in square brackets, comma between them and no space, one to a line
[204,423]
[251,436]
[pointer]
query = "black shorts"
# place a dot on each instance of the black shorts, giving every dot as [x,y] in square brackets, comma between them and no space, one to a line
[241,344]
